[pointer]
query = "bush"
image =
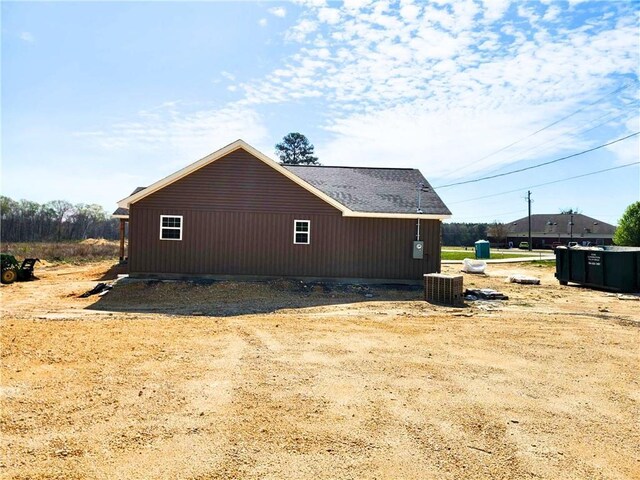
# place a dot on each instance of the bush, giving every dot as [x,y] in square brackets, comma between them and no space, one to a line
[628,231]
[65,252]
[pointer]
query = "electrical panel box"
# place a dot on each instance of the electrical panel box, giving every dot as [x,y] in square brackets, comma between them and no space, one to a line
[418,249]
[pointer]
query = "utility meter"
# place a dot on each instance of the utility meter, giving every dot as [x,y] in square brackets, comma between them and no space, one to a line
[418,249]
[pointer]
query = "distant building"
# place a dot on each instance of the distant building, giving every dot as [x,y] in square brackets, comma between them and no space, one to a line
[547,229]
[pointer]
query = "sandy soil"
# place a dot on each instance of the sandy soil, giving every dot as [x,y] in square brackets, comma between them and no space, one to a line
[282,380]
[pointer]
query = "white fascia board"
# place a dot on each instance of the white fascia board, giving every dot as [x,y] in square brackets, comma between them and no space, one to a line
[346,212]
[126,202]
[296,179]
[423,216]
[126,217]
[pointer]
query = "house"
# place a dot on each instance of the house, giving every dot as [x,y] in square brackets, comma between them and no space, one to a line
[547,229]
[237,213]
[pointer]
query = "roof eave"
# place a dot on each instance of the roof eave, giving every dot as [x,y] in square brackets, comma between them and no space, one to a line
[417,216]
[126,202]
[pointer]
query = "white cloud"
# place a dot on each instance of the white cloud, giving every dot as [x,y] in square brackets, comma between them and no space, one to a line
[552,13]
[439,142]
[299,32]
[458,71]
[494,9]
[156,142]
[355,4]
[178,131]
[262,22]
[628,150]
[312,3]
[434,87]
[410,12]
[465,13]
[329,15]
[27,37]
[528,13]
[278,11]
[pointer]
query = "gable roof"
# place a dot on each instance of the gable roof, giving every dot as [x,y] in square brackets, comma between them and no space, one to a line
[382,193]
[373,190]
[121,212]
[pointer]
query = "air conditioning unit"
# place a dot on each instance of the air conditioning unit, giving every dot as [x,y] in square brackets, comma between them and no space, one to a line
[443,289]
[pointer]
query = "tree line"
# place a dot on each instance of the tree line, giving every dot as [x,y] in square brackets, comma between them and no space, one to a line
[57,220]
[463,234]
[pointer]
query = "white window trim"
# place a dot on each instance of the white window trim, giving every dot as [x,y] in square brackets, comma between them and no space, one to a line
[162,217]
[308,232]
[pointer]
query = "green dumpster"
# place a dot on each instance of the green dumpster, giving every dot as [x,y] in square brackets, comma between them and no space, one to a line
[483,249]
[609,268]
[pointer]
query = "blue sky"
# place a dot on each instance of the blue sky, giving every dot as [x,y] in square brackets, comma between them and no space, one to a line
[101,97]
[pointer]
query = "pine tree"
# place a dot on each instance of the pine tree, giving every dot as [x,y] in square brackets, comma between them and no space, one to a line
[295,149]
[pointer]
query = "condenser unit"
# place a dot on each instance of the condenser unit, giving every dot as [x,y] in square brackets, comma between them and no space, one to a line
[443,289]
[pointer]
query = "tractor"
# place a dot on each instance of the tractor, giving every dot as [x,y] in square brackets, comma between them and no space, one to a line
[12,270]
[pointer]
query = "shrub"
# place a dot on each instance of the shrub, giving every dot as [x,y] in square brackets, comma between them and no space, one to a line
[65,252]
[628,231]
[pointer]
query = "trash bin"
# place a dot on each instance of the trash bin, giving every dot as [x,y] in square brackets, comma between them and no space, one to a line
[483,249]
[609,268]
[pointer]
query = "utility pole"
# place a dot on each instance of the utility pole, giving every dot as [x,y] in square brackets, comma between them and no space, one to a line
[529,203]
[571,229]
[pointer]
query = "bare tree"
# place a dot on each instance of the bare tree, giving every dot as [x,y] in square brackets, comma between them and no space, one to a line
[498,231]
[60,208]
[57,220]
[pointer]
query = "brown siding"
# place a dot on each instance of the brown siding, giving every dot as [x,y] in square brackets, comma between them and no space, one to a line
[238,216]
[237,182]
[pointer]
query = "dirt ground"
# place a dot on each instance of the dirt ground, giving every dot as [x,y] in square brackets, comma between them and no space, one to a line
[281,380]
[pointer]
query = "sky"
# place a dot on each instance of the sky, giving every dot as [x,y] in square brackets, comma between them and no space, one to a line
[101,97]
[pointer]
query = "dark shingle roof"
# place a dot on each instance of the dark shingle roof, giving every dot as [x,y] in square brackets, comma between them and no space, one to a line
[125,211]
[367,190]
[121,211]
[559,223]
[374,190]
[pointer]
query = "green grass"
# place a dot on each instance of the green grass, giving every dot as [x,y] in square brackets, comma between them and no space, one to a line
[94,250]
[461,255]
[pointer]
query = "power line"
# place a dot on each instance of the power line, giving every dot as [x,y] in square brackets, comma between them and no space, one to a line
[494,215]
[539,164]
[570,133]
[547,183]
[551,124]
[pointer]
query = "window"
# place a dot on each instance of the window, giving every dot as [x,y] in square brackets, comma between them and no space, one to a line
[170,227]
[302,231]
